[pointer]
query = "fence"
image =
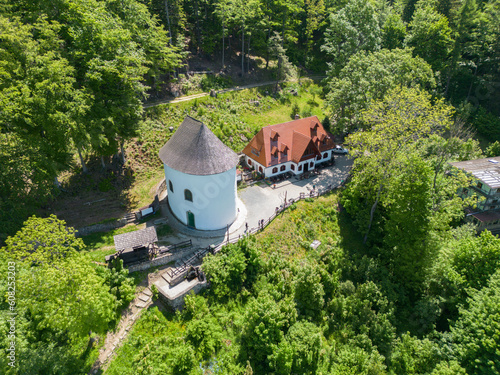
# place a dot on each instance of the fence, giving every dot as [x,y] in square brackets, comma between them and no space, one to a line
[176,272]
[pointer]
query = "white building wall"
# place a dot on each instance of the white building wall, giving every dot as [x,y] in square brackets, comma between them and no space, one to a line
[214,198]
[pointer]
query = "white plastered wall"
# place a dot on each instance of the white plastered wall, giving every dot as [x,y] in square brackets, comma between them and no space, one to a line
[214,198]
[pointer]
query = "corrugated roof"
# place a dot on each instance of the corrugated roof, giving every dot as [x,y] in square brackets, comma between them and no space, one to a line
[487,216]
[295,134]
[142,237]
[194,149]
[487,170]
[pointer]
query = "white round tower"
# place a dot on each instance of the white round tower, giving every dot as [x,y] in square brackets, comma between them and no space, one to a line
[200,173]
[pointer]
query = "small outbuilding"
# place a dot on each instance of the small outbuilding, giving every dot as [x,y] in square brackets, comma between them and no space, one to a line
[200,173]
[135,246]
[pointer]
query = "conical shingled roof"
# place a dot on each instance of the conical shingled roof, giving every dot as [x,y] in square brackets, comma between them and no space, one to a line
[194,149]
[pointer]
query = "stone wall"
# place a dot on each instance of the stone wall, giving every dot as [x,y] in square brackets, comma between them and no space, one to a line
[178,302]
[159,261]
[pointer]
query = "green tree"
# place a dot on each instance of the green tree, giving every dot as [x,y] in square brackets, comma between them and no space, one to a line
[58,283]
[368,77]
[362,313]
[413,356]
[299,352]
[395,125]
[476,333]
[431,37]
[265,325]
[393,32]
[352,29]
[309,293]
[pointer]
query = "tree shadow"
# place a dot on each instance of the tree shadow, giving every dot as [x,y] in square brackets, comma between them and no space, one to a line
[98,196]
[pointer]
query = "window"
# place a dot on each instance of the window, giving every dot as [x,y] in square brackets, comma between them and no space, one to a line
[325,155]
[249,161]
[275,170]
[188,195]
[300,167]
[311,164]
[479,185]
[293,167]
[282,168]
[255,152]
[318,157]
[170,186]
[261,170]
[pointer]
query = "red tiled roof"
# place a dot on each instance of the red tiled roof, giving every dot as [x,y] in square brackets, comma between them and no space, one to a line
[295,135]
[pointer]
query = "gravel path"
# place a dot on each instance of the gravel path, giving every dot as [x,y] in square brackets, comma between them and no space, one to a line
[236,88]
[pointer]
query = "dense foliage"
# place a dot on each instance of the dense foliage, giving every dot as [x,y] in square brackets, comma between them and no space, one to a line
[62,299]
[398,285]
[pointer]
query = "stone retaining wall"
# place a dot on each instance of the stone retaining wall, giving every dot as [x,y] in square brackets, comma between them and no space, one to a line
[159,261]
[178,302]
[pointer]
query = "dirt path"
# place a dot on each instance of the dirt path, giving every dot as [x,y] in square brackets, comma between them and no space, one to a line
[115,339]
[236,88]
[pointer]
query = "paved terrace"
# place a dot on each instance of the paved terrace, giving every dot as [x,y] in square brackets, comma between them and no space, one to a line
[259,202]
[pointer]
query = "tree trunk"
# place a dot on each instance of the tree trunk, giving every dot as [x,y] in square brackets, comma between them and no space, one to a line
[471,83]
[84,166]
[102,162]
[198,37]
[223,44]
[248,53]
[267,49]
[242,49]
[123,153]
[168,21]
[372,213]
[57,184]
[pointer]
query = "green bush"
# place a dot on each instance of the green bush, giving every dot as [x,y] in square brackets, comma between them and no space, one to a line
[105,185]
[215,82]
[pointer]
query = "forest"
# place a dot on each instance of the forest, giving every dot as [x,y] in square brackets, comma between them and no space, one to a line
[400,284]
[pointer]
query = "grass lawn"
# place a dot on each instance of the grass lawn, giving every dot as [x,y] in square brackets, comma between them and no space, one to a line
[292,232]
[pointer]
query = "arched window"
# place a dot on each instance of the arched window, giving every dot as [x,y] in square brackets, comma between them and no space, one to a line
[249,161]
[188,195]
[318,157]
[275,170]
[300,167]
[325,155]
[293,167]
[261,170]
[282,168]
[311,164]
[170,186]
